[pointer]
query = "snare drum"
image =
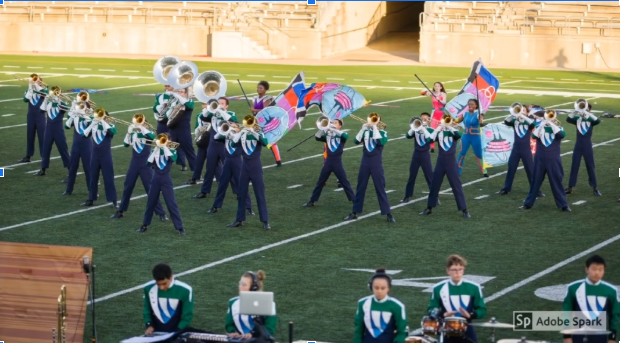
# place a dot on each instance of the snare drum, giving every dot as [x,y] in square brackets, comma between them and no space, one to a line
[430,326]
[455,326]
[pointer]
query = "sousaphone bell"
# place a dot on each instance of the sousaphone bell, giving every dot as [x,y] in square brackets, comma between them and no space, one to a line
[162,68]
[210,85]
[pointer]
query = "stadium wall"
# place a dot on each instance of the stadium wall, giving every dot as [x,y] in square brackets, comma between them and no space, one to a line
[348,27]
[515,50]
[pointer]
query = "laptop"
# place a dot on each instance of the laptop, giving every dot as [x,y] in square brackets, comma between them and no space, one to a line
[257,304]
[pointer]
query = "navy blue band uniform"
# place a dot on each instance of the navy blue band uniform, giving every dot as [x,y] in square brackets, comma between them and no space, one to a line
[421,135]
[216,152]
[82,146]
[584,122]
[35,124]
[182,133]
[101,133]
[523,126]
[201,153]
[55,109]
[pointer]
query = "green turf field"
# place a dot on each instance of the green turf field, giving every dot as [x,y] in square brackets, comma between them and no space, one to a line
[308,252]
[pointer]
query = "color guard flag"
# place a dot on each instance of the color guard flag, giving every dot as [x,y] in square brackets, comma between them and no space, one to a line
[288,100]
[481,85]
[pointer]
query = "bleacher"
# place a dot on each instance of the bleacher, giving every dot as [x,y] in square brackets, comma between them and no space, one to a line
[592,18]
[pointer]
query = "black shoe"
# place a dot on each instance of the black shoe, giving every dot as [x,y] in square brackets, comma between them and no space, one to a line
[41,173]
[405,199]
[266,226]
[540,194]
[432,150]
[212,210]
[278,164]
[143,228]
[114,204]
[426,212]
[235,224]
[200,195]
[250,212]
[117,215]
[309,204]
[466,214]
[390,218]
[183,168]
[568,190]
[24,160]
[503,192]
[351,216]
[486,175]
[597,193]
[87,203]
[339,185]
[65,180]
[163,217]
[190,182]
[181,232]
[66,193]
[566,209]
[525,207]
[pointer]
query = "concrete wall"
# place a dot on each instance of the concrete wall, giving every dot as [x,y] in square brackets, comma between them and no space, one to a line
[295,44]
[516,50]
[348,27]
[104,38]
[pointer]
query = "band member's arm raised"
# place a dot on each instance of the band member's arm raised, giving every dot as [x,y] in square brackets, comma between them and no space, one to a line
[262,139]
[174,159]
[320,136]
[360,135]
[381,136]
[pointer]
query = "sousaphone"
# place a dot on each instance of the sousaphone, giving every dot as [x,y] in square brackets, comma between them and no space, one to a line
[162,68]
[210,85]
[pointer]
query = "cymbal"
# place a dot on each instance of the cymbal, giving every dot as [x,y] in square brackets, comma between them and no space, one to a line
[493,324]
[585,332]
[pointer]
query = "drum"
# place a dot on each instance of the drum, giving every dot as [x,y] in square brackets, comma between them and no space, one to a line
[413,339]
[455,326]
[430,326]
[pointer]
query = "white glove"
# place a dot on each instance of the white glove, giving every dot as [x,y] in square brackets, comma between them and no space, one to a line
[44,104]
[168,92]
[224,115]
[526,119]
[180,99]
[590,116]
[573,114]
[130,129]
[410,133]
[375,132]
[426,134]
[360,135]
[555,128]
[434,135]
[319,134]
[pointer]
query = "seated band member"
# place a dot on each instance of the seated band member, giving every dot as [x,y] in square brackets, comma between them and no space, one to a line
[161,108]
[457,297]
[548,162]
[137,134]
[371,166]
[241,325]
[446,135]
[101,158]
[54,132]
[251,143]
[584,122]
[380,318]
[335,139]
[162,157]
[168,302]
[216,152]
[421,154]
[203,146]
[582,294]
[472,120]
[35,122]
[261,101]
[182,132]
[82,146]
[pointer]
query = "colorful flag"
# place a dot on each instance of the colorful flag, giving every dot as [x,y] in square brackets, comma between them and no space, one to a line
[275,123]
[341,102]
[481,85]
[497,143]
[313,96]
[288,100]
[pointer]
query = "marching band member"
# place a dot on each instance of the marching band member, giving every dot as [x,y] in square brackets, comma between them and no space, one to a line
[137,134]
[585,122]
[523,125]
[101,158]
[335,139]
[548,162]
[160,109]
[446,136]
[380,318]
[439,102]
[251,139]
[182,132]
[371,166]
[241,325]
[82,146]
[35,125]
[472,120]
[162,157]
[201,154]
[579,295]
[54,133]
[232,166]
[421,156]
[168,302]
[469,304]
[263,101]
[216,152]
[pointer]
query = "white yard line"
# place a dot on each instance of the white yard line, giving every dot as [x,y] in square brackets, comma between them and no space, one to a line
[103,89]
[335,226]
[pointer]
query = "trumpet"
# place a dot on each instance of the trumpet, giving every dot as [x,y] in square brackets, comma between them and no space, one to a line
[161,141]
[373,119]
[552,117]
[224,128]
[59,333]
[34,78]
[100,114]
[140,120]
[416,124]
[249,122]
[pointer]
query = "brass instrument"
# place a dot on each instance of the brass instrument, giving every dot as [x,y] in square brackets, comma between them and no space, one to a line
[447,120]
[57,92]
[373,119]
[161,141]
[59,333]
[34,78]
[85,97]
[162,68]
[210,85]
[416,124]
[140,120]
[100,114]
[249,122]
[552,117]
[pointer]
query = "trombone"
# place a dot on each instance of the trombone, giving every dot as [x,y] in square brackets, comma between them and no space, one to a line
[83,96]
[250,123]
[447,120]
[57,92]
[552,117]
[515,109]
[373,119]
[59,333]
[139,120]
[34,78]
[161,141]
[100,114]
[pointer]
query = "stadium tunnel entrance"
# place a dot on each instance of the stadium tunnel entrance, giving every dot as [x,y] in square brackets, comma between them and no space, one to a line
[398,32]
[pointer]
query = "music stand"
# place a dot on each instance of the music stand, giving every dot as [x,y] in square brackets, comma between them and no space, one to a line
[258,305]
